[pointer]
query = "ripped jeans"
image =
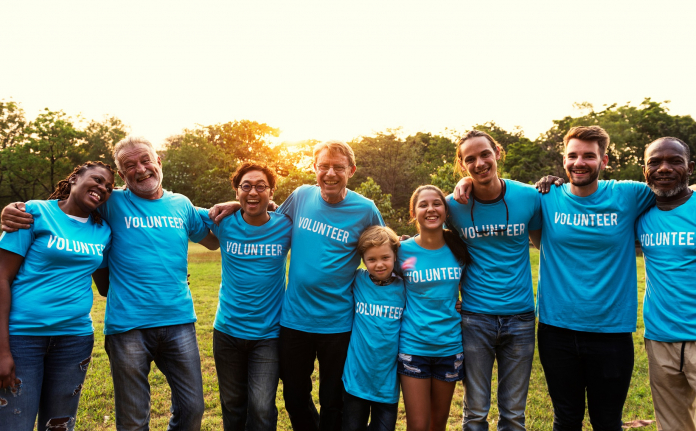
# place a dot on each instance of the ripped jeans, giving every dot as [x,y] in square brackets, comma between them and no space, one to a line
[52,370]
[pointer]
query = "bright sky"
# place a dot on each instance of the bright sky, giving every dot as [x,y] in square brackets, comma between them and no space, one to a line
[329,69]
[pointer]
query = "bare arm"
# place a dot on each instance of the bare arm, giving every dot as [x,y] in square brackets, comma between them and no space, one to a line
[220,211]
[535,236]
[101,279]
[210,241]
[463,189]
[14,217]
[9,265]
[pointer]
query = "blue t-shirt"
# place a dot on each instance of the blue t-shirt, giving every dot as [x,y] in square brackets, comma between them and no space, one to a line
[499,279]
[52,292]
[431,325]
[587,263]
[668,240]
[253,274]
[148,260]
[370,369]
[324,259]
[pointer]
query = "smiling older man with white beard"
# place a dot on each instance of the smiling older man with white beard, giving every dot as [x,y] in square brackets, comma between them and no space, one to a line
[149,309]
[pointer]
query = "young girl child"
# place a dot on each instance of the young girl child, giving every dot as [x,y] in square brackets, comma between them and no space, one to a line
[369,375]
[430,346]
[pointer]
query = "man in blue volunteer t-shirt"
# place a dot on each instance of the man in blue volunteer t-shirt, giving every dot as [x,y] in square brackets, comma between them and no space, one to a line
[667,234]
[317,314]
[149,309]
[497,297]
[586,298]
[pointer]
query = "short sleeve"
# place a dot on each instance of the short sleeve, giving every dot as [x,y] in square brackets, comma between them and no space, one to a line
[535,221]
[376,216]
[105,253]
[645,198]
[196,228]
[18,242]
[288,207]
[203,214]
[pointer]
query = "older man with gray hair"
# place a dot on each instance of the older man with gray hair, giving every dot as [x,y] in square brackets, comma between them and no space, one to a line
[149,309]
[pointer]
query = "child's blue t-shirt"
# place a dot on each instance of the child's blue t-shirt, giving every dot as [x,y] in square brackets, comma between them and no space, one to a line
[149,259]
[499,279]
[370,369]
[668,240]
[52,291]
[253,274]
[587,263]
[431,325]
[324,259]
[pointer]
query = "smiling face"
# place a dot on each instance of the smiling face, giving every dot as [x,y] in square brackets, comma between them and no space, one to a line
[379,261]
[429,210]
[142,171]
[667,169]
[91,188]
[333,183]
[479,158]
[583,162]
[254,203]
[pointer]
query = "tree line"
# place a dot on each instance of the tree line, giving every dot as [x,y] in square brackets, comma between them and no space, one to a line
[36,154]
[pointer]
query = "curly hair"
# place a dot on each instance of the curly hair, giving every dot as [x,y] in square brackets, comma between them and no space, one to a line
[62,190]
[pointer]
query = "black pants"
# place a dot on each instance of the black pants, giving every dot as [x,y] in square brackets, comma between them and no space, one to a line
[357,411]
[298,350]
[575,362]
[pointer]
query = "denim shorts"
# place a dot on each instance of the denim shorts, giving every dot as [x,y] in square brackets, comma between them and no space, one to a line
[447,369]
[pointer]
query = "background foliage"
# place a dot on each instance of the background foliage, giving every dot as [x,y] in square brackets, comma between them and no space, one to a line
[35,154]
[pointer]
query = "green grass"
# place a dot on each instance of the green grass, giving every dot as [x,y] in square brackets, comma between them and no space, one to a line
[97,406]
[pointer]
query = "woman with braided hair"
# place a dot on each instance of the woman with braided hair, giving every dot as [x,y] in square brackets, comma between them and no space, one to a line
[46,333]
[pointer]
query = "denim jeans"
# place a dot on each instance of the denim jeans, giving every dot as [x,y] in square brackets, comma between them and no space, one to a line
[52,370]
[298,350]
[247,373]
[509,340]
[175,352]
[357,411]
[574,361]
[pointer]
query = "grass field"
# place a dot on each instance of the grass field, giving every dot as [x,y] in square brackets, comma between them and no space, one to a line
[97,407]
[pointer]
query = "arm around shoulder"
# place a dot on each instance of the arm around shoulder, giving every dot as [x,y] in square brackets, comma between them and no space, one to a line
[210,241]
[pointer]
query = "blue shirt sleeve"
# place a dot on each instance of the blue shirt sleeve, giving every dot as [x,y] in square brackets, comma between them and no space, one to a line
[196,228]
[203,214]
[288,207]
[18,242]
[535,221]
[645,198]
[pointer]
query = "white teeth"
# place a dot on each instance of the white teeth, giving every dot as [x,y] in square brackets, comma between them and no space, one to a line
[95,195]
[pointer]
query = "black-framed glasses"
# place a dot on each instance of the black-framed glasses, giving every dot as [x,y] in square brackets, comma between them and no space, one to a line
[260,188]
[336,168]
[489,231]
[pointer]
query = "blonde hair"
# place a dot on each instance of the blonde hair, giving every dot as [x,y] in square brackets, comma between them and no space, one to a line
[377,236]
[335,147]
[130,142]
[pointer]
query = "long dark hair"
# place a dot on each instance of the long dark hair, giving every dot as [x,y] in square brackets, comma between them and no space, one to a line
[63,187]
[452,239]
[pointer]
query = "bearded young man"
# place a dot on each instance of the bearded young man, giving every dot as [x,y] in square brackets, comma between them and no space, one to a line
[586,297]
[667,234]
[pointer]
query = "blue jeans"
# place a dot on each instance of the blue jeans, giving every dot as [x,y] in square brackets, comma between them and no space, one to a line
[298,350]
[52,371]
[357,411]
[247,373]
[175,352]
[576,362]
[510,341]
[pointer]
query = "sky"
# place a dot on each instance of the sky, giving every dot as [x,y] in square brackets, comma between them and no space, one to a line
[339,70]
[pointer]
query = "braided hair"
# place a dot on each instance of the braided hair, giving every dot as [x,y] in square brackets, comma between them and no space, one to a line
[62,190]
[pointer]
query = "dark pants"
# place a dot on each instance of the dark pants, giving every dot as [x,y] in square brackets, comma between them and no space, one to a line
[357,411]
[574,361]
[298,350]
[247,372]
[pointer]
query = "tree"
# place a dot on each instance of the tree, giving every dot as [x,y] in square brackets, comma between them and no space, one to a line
[287,184]
[397,219]
[445,178]
[100,138]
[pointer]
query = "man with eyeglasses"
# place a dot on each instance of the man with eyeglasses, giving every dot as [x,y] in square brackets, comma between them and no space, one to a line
[255,245]
[497,298]
[317,312]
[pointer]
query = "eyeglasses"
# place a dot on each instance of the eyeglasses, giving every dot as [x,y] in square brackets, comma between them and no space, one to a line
[336,168]
[260,188]
[507,216]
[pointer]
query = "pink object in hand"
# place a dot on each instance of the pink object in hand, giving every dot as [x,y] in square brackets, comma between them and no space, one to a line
[409,263]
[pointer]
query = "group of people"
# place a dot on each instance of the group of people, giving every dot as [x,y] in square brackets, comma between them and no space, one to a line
[396,325]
